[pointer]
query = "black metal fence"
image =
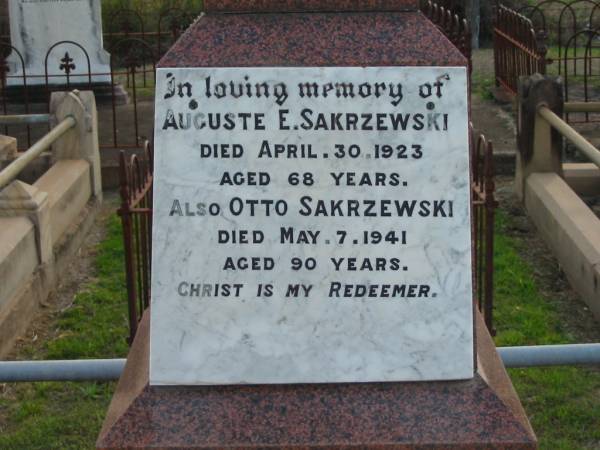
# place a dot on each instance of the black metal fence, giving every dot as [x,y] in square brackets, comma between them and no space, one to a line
[483,204]
[128,23]
[551,37]
[564,26]
[454,27]
[136,180]
[124,97]
[518,49]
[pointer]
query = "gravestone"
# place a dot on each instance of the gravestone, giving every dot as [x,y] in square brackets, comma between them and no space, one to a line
[334,205]
[311,275]
[36,25]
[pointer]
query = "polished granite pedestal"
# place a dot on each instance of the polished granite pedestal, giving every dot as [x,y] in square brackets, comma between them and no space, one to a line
[481,413]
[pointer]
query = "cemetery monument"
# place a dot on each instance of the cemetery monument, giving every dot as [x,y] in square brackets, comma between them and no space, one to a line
[36,25]
[312,272]
[59,43]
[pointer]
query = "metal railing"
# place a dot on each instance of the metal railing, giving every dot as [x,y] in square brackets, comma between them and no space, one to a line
[454,27]
[13,170]
[135,42]
[550,355]
[566,25]
[568,132]
[483,204]
[24,119]
[136,181]
[62,370]
[571,30]
[518,49]
[111,369]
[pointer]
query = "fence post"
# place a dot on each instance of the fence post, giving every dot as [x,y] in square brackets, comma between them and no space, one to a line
[81,142]
[489,187]
[125,214]
[539,146]
[21,199]
[8,149]
[541,37]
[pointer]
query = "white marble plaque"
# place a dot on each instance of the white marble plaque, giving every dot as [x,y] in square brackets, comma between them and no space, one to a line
[36,25]
[311,225]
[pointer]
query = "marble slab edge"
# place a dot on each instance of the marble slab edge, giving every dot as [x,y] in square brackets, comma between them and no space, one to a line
[313,40]
[480,413]
[236,6]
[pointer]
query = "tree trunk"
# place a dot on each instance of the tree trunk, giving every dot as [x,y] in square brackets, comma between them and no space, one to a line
[473,11]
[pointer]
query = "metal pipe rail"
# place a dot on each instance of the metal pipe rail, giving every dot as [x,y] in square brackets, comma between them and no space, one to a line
[14,169]
[111,369]
[26,119]
[583,107]
[570,134]
[550,355]
[69,370]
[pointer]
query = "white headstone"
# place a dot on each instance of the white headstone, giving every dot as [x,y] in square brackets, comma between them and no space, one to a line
[36,25]
[311,225]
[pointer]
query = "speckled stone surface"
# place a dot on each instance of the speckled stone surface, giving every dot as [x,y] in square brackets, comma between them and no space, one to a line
[308,5]
[312,40]
[482,413]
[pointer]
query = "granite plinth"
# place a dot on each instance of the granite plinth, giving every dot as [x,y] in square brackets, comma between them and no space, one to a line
[313,40]
[308,5]
[483,412]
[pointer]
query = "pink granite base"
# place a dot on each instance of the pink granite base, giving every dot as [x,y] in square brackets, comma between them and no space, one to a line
[313,40]
[482,413]
[236,6]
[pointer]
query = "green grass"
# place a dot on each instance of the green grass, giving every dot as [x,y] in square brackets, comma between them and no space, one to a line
[563,403]
[579,51]
[143,91]
[69,415]
[149,10]
[482,85]
[593,78]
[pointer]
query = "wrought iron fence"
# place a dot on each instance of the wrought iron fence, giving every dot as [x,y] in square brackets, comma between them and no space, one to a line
[131,70]
[136,178]
[518,49]
[128,23]
[583,85]
[454,27]
[551,37]
[559,22]
[134,52]
[483,204]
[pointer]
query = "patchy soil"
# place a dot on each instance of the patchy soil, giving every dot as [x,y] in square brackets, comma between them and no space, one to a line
[80,271]
[495,121]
